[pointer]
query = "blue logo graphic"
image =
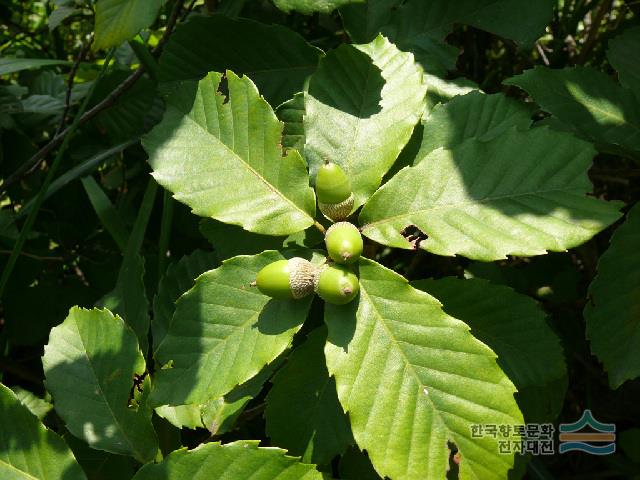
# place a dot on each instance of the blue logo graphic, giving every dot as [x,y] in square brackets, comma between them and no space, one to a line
[600,440]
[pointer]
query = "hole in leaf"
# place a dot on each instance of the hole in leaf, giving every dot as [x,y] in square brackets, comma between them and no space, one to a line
[414,235]
[454,461]
[223,88]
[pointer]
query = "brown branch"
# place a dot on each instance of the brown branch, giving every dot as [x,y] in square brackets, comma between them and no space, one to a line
[70,81]
[592,35]
[188,10]
[171,23]
[32,164]
[543,56]
[35,257]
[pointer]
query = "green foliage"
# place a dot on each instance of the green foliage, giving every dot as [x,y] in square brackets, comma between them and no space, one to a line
[129,298]
[291,113]
[28,449]
[224,324]
[416,20]
[218,415]
[472,115]
[362,99]
[412,378]
[628,66]
[275,58]
[522,193]
[218,131]
[613,309]
[515,328]
[120,20]
[486,151]
[303,414]
[241,459]
[310,6]
[588,101]
[12,65]
[178,278]
[89,365]
[36,405]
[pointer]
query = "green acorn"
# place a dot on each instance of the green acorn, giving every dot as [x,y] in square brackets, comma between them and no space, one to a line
[344,242]
[333,189]
[287,279]
[336,284]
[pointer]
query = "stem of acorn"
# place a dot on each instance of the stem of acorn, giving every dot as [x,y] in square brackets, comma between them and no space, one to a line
[320,227]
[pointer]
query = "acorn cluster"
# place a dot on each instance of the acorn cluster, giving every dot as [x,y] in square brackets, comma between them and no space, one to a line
[334,282]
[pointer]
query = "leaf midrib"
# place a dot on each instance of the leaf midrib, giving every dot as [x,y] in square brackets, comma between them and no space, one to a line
[361,120]
[397,342]
[243,162]
[102,394]
[463,204]
[450,433]
[25,474]
[621,121]
[218,345]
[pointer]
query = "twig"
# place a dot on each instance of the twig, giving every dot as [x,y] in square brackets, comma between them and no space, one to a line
[319,226]
[171,23]
[188,10]
[35,257]
[70,81]
[28,224]
[32,164]
[592,36]
[542,54]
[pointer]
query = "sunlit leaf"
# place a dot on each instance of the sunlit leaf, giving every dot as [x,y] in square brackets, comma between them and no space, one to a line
[310,6]
[36,405]
[521,193]
[411,378]
[514,327]
[224,325]
[89,365]
[361,107]
[120,20]
[233,461]
[205,151]
[28,450]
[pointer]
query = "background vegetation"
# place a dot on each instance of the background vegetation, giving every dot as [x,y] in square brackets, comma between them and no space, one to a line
[76,97]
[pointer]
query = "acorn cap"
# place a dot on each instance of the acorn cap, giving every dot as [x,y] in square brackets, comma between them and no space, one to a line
[337,212]
[332,184]
[344,242]
[302,275]
[336,284]
[287,279]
